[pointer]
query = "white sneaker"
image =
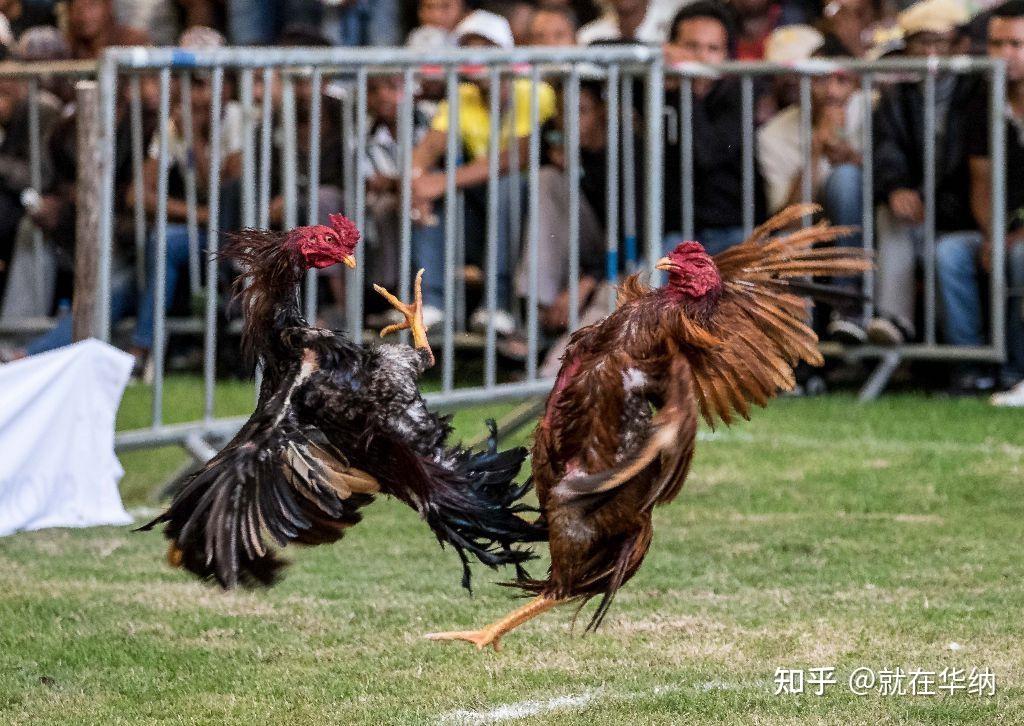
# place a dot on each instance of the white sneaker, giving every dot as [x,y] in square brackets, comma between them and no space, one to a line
[1014,398]
[504,324]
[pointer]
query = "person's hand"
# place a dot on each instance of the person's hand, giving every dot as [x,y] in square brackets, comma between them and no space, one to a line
[47,215]
[839,151]
[907,205]
[429,187]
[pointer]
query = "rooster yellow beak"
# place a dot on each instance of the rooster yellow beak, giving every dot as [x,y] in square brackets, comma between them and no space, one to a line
[349,261]
[665,264]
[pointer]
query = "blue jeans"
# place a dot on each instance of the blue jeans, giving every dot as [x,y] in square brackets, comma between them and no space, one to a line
[428,243]
[177,263]
[122,302]
[843,201]
[956,263]
[714,239]
[259,22]
[364,22]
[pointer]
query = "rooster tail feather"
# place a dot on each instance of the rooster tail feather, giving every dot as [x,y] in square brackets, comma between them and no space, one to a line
[477,509]
[471,501]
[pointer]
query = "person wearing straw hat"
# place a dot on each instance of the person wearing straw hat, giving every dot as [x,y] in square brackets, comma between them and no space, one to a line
[931,29]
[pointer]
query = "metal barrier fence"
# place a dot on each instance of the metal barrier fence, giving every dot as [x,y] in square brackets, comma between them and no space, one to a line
[871,74]
[625,74]
[617,68]
[31,81]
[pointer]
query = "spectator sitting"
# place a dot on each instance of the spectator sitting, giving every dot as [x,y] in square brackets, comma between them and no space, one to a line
[434,15]
[931,29]
[478,29]
[15,169]
[362,22]
[259,22]
[518,13]
[32,272]
[383,164]
[24,14]
[641,21]
[960,259]
[554,209]
[837,112]
[786,45]
[164,20]
[702,32]
[553,27]
[755,21]
[92,28]
[852,23]
[183,160]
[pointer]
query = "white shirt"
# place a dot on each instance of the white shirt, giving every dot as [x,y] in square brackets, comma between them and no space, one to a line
[779,153]
[654,28]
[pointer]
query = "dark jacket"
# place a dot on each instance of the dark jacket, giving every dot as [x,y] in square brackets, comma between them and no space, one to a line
[899,151]
[717,161]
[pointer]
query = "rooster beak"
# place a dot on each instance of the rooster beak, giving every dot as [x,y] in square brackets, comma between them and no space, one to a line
[665,264]
[349,261]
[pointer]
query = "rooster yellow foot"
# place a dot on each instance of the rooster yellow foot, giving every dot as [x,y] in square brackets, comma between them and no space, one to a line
[413,316]
[480,638]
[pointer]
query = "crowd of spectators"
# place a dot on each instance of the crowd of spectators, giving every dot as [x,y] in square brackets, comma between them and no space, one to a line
[36,282]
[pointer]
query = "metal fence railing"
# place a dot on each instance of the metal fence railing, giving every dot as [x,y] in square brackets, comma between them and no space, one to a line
[873,74]
[144,93]
[616,68]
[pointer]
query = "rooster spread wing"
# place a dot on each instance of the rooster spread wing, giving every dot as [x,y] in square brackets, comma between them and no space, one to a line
[279,477]
[759,323]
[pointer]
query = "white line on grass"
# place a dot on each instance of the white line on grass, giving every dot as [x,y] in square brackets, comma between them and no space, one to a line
[522,709]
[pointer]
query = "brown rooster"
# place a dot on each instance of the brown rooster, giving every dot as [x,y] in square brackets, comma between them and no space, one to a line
[721,334]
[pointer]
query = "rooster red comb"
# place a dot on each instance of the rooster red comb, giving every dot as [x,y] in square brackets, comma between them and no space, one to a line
[691,271]
[322,246]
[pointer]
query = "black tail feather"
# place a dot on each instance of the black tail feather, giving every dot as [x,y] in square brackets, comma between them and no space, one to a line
[476,506]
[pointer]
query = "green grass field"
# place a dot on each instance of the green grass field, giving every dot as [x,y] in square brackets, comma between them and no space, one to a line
[823,533]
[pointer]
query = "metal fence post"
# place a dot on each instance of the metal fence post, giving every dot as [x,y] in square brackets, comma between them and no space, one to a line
[88,292]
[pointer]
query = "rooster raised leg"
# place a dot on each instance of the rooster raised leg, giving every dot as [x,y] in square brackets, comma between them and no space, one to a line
[492,634]
[413,316]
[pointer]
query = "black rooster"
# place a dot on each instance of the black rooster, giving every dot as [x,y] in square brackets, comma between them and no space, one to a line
[335,424]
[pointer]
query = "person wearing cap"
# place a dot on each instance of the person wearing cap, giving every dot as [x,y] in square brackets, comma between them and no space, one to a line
[931,28]
[479,29]
[836,115]
[702,32]
[963,263]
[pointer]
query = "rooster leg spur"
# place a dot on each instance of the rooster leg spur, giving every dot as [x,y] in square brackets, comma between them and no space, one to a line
[492,634]
[413,316]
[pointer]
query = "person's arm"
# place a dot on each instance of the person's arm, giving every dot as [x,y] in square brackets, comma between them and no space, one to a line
[428,152]
[981,192]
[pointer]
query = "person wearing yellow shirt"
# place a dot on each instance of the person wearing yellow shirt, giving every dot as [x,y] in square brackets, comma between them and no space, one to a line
[479,29]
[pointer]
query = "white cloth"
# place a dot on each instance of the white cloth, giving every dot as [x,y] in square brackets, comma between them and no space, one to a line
[779,154]
[57,462]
